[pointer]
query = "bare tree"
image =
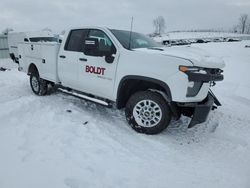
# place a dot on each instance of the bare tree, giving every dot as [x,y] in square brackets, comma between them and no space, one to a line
[248,28]
[160,25]
[243,21]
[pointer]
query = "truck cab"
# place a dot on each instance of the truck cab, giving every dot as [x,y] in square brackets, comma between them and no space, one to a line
[153,83]
[83,68]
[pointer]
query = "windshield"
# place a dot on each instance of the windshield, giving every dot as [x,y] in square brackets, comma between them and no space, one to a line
[137,40]
[43,39]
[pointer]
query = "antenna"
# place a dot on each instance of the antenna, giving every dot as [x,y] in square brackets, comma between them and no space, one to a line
[130,34]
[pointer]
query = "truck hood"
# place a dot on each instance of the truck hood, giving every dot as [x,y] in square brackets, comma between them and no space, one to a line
[197,56]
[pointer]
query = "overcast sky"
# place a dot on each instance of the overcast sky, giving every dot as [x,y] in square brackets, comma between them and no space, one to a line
[26,15]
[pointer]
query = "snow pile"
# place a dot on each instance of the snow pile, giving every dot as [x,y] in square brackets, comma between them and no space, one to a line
[62,142]
[7,64]
[198,56]
[199,35]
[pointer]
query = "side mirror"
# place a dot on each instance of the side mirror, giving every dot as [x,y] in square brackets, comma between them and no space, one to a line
[94,47]
[91,47]
[109,58]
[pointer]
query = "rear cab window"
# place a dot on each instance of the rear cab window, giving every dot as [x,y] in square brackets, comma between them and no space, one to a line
[75,41]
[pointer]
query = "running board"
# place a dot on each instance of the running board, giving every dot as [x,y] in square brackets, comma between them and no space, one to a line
[82,96]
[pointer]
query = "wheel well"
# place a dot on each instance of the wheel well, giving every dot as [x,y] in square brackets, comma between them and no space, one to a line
[129,86]
[32,68]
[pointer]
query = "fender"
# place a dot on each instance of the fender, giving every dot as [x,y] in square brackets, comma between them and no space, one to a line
[141,78]
[31,68]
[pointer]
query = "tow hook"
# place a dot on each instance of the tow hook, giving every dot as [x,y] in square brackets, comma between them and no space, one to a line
[212,84]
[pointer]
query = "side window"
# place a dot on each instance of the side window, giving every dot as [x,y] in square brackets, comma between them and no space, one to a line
[105,44]
[75,40]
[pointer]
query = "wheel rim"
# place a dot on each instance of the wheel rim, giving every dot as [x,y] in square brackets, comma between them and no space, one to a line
[35,84]
[147,113]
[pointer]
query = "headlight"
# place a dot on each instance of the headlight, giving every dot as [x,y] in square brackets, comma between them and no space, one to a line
[189,69]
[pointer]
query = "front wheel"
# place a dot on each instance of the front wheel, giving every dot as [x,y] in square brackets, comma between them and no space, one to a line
[37,84]
[147,112]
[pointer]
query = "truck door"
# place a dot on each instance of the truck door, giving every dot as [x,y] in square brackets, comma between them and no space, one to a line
[96,75]
[68,58]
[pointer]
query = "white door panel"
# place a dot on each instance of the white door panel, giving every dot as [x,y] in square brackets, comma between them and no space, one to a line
[68,68]
[96,76]
[68,60]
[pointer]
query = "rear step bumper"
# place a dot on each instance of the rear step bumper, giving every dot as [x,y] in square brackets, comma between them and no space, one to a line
[202,110]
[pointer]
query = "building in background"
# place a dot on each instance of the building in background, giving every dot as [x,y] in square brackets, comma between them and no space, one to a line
[4,50]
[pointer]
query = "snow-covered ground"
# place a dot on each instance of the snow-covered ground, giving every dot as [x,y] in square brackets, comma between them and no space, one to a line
[44,145]
[199,35]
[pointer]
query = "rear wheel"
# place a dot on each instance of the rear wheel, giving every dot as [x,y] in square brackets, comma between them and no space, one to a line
[147,112]
[38,85]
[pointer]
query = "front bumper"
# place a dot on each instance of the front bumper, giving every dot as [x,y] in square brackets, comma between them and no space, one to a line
[198,112]
[202,110]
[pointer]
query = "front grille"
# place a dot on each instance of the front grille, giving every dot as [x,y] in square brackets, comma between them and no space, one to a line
[214,71]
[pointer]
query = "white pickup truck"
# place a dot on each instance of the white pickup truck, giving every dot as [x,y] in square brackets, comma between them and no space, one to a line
[153,83]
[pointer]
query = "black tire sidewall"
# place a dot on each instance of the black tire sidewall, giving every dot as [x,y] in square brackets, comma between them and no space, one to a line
[36,75]
[157,98]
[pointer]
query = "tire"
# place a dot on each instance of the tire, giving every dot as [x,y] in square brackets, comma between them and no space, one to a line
[38,85]
[147,112]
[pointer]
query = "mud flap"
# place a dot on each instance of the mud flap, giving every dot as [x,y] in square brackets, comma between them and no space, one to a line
[202,110]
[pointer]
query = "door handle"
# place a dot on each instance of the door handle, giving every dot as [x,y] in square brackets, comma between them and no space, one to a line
[83,59]
[62,56]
